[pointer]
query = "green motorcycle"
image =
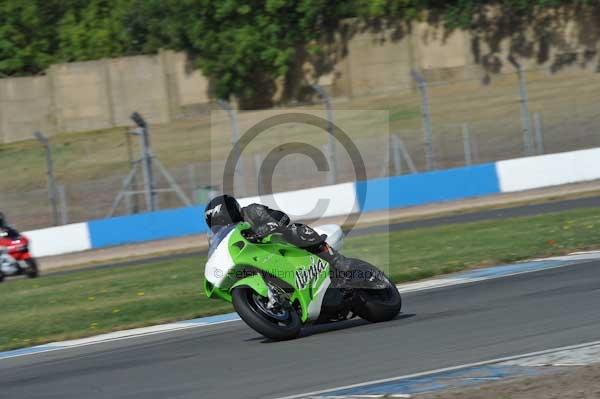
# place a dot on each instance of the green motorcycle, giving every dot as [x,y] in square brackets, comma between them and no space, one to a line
[277,287]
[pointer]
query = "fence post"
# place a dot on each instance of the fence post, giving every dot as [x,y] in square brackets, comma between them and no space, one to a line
[235,137]
[130,205]
[192,179]
[387,158]
[396,155]
[537,121]
[524,102]
[127,202]
[332,175]
[466,134]
[147,161]
[258,160]
[146,158]
[428,135]
[50,176]
[64,209]
[135,208]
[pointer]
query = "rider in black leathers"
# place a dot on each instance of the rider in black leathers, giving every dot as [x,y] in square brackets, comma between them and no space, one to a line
[6,229]
[225,210]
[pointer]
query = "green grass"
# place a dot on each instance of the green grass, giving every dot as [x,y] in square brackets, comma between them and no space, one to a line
[404,114]
[421,253]
[58,307]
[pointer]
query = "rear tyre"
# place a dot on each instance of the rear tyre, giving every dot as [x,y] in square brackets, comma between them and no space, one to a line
[378,305]
[32,268]
[278,325]
[1,277]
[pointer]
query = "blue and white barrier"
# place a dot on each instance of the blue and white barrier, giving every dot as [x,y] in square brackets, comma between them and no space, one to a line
[147,226]
[338,199]
[428,187]
[548,170]
[60,240]
[335,200]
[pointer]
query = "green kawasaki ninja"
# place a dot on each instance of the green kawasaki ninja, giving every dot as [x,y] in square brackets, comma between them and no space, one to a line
[277,287]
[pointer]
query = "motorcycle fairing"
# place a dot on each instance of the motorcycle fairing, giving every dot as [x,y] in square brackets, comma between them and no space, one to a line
[236,260]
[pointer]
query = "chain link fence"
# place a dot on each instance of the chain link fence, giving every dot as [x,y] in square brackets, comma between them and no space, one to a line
[470,122]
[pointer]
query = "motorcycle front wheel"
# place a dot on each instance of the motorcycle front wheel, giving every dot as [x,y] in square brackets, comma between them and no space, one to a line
[280,324]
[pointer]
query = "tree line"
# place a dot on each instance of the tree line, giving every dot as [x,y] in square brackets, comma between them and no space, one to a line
[238,44]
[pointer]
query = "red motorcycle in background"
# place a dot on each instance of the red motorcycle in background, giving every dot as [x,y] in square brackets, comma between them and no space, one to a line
[15,258]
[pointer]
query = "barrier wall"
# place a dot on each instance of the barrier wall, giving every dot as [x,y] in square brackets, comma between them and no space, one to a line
[335,200]
[147,226]
[340,199]
[59,240]
[423,188]
[548,170]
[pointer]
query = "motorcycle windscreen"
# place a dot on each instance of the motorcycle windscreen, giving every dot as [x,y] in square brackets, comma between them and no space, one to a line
[215,237]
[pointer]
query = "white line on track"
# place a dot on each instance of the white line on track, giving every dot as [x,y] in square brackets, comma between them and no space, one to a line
[453,368]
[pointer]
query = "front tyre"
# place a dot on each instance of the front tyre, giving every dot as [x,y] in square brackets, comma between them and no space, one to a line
[32,270]
[279,325]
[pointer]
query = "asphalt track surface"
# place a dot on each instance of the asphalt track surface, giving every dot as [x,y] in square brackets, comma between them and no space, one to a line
[476,216]
[438,328]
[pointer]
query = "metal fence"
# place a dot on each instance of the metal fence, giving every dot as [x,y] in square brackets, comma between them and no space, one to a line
[456,123]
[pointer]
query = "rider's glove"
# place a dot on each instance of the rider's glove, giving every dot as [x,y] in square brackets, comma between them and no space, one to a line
[267,228]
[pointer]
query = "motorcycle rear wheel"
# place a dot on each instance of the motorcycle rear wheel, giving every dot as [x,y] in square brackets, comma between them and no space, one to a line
[32,268]
[378,305]
[279,326]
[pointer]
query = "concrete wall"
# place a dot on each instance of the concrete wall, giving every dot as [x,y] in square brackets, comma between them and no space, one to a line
[188,85]
[137,84]
[377,62]
[25,106]
[91,95]
[81,96]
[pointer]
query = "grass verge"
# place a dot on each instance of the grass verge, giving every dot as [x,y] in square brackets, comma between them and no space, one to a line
[86,303]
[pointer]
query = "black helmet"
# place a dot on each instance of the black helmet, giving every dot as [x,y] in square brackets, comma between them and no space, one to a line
[221,211]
